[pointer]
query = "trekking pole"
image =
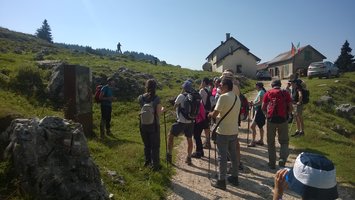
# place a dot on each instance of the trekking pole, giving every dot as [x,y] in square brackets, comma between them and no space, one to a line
[166,140]
[215,158]
[248,126]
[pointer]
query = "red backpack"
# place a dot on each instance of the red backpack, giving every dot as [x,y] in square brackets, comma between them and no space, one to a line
[277,105]
[244,108]
[97,93]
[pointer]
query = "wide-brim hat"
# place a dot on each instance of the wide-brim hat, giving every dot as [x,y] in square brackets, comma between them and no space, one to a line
[313,177]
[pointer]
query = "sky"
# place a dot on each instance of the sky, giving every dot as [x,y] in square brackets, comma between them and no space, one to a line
[185,32]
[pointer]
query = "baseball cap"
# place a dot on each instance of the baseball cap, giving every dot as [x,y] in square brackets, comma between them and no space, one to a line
[187,85]
[313,177]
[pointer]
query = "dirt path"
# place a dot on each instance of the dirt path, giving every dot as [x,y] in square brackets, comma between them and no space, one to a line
[255,181]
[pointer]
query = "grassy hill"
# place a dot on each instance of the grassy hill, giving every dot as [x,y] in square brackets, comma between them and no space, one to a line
[123,153]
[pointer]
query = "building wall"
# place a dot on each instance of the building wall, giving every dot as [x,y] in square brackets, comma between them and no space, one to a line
[281,70]
[304,59]
[240,57]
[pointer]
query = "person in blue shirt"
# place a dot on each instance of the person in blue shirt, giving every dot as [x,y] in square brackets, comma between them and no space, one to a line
[106,98]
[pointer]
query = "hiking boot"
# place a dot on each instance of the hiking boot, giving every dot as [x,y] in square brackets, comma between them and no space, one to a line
[207,145]
[156,167]
[108,132]
[220,184]
[251,144]
[295,134]
[169,158]
[259,142]
[197,155]
[233,180]
[188,161]
[301,133]
[282,163]
[271,166]
[147,164]
[241,166]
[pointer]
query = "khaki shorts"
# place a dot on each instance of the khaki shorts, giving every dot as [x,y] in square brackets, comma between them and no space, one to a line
[297,110]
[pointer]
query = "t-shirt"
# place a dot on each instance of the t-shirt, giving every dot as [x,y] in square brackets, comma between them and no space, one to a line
[180,118]
[229,125]
[107,92]
[204,96]
[259,97]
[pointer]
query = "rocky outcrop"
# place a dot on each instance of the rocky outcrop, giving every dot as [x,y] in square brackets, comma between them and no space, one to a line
[52,160]
[345,110]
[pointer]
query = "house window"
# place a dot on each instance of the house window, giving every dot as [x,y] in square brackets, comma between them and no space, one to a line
[307,56]
[239,69]
[286,70]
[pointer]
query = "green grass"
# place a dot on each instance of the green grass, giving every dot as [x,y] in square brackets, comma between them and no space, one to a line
[123,153]
[319,120]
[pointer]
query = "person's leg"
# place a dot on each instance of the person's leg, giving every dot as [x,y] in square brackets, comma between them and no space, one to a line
[155,144]
[283,140]
[232,143]
[253,129]
[198,141]
[300,114]
[147,146]
[108,120]
[222,147]
[271,133]
[105,111]
[261,130]
[189,129]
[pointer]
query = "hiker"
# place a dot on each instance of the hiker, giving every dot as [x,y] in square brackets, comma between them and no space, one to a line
[228,74]
[206,94]
[199,125]
[226,110]
[106,97]
[182,125]
[259,117]
[277,106]
[313,177]
[151,110]
[204,125]
[297,101]
[119,48]
[216,91]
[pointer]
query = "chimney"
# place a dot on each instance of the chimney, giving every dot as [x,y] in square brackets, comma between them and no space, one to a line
[228,35]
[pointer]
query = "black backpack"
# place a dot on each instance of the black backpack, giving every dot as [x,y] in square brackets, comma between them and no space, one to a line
[210,101]
[305,96]
[190,107]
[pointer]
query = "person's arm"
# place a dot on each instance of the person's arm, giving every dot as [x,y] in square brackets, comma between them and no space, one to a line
[160,109]
[300,97]
[280,184]
[213,114]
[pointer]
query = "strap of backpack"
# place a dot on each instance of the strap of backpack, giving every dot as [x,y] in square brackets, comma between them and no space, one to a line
[235,100]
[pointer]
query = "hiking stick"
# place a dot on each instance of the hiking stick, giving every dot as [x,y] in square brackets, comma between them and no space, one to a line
[166,141]
[248,126]
[215,158]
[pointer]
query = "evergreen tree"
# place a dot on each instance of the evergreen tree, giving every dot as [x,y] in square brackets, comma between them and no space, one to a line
[45,32]
[345,60]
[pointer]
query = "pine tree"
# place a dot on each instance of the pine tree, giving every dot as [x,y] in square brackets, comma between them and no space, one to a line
[45,32]
[345,60]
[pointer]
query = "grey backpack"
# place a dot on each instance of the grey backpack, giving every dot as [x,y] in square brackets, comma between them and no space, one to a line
[147,114]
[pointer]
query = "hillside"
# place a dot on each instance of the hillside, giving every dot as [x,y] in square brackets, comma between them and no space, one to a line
[23,93]
[19,71]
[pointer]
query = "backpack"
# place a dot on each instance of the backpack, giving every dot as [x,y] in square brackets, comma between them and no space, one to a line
[211,101]
[202,114]
[277,107]
[190,107]
[305,96]
[244,107]
[147,113]
[97,93]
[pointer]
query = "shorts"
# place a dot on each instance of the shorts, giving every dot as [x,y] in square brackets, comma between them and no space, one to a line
[259,118]
[177,128]
[297,110]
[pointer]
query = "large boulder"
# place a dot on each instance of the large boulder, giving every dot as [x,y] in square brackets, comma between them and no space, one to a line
[345,110]
[52,160]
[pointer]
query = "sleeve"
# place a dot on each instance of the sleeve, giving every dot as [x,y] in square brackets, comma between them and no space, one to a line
[220,105]
[203,96]
[179,99]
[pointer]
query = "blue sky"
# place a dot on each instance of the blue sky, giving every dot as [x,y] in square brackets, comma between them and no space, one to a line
[184,32]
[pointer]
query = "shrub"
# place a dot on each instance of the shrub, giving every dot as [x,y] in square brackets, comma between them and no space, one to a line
[28,81]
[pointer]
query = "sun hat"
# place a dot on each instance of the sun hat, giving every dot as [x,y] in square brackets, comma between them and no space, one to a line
[187,85]
[276,83]
[313,177]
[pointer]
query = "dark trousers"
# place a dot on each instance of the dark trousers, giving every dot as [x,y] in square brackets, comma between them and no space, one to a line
[151,139]
[197,136]
[106,116]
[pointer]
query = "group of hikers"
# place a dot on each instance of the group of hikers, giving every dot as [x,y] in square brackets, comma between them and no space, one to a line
[215,110]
